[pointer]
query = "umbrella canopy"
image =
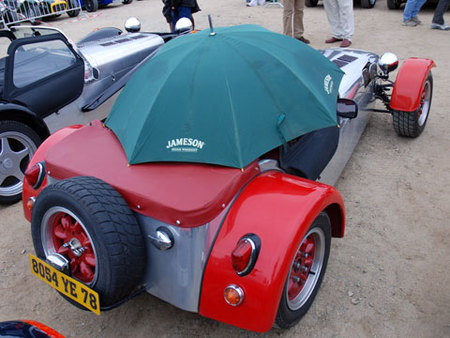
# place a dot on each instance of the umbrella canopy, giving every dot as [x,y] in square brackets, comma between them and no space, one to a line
[224,98]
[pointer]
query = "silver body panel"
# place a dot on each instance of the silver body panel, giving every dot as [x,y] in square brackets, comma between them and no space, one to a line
[175,275]
[350,129]
[111,58]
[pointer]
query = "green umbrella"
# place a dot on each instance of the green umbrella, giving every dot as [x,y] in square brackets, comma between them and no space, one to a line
[224,97]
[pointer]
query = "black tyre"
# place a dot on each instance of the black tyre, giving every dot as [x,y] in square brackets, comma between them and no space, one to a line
[393,4]
[87,213]
[91,5]
[306,273]
[18,142]
[311,3]
[76,8]
[127,2]
[411,124]
[368,3]
[73,13]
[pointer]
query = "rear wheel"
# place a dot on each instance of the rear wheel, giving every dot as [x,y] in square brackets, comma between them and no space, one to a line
[126,2]
[306,273]
[311,3]
[18,142]
[91,5]
[411,124]
[88,222]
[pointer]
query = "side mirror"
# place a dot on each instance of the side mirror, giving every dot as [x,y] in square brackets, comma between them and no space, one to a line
[347,108]
[388,62]
[183,25]
[133,25]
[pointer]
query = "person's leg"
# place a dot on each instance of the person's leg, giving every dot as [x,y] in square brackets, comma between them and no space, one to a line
[298,18]
[184,12]
[417,7]
[288,13]
[438,17]
[180,12]
[332,10]
[409,8]
[346,19]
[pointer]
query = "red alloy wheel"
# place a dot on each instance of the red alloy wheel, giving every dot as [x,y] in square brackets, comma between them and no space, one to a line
[65,234]
[301,267]
[424,105]
[306,268]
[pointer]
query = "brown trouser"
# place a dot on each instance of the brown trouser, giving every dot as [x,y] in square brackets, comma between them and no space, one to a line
[293,18]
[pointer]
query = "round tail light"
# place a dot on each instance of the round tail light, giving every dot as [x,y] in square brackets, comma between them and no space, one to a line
[35,174]
[233,295]
[245,254]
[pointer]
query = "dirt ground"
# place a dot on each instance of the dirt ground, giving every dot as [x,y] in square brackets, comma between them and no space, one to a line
[388,277]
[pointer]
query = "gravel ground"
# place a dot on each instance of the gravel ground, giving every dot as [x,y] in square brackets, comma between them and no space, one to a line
[387,277]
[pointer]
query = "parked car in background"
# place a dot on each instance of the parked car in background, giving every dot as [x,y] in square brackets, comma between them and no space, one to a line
[27,329]
[47,82]
[93,5]
[53,8]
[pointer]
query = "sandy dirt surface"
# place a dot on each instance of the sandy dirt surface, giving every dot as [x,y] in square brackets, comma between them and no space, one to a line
[389,276]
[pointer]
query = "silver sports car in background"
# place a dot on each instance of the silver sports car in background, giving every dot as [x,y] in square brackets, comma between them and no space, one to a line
[48,82]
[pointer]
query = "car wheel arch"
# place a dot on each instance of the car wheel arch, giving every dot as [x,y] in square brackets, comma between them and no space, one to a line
[22,115]
[280,232]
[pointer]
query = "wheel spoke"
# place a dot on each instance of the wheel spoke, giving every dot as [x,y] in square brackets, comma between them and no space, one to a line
[86,271]
[18,173]
[77,228]
[66,222]
[60,233]
[4,146]
[86,243]
[74,267]
[3,177]
[89,258]
[63,250]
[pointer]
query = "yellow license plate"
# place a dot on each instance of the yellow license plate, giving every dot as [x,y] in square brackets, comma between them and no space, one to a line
[65,284]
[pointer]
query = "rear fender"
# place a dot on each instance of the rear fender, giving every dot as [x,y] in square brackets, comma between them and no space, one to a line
[409,83]
[39,156]
[278,208]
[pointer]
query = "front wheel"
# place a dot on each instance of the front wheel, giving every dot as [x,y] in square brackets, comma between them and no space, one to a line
[127,2]
[18,142]
[306,273]
[411,124]
[89,223]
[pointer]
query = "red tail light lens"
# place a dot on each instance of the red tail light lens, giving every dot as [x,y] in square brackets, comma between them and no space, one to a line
[245,254]
[35,174]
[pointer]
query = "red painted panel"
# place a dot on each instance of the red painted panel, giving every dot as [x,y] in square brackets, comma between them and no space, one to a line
[192,194]
[409,83]
[48,330]
[279,208]
[38,156]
